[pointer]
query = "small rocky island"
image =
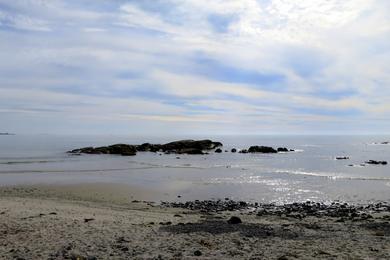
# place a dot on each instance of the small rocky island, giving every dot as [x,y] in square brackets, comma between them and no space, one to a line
[177,147]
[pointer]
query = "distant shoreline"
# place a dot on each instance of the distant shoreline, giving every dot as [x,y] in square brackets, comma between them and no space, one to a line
[6,134]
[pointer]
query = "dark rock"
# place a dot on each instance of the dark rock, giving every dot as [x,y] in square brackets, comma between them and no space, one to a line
[261,149]
[86,220]
[243,151]
[190,144]
[234,220]
[197,253]
[282,149]
[147,147]
[296,210]
[121,149]
[234,150]
[166,223]
[376,162]
[342,158]
[177,147]
[218,150]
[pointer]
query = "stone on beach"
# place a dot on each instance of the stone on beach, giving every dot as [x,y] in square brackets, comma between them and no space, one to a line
[234,220]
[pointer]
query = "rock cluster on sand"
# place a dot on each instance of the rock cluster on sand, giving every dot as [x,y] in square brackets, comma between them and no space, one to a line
[296,210]
[177,147]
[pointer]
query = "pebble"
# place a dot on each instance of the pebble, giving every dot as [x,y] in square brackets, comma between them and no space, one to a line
[197,253]
[234,220]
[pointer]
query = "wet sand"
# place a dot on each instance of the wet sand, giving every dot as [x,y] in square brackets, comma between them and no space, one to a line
[100,221]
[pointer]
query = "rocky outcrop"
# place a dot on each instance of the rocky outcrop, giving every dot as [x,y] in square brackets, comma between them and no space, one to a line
[219,150]
[261,149]
[177,147]
[282,149]
[190,146]
[376,162]
[120,149]
[342,158]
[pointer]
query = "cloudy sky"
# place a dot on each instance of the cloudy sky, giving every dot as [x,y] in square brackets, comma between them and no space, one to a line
[195,66]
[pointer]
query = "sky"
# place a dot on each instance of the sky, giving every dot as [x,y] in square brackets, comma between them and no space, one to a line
[195,66]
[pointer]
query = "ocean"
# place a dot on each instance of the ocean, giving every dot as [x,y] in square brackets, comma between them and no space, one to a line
[311,172]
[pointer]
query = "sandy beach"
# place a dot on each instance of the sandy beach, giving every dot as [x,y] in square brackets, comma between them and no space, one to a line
[70,222]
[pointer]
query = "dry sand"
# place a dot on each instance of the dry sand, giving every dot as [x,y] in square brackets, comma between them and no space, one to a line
[103,222]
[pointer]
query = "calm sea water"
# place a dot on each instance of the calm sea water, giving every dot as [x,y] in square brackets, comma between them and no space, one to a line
[309,173]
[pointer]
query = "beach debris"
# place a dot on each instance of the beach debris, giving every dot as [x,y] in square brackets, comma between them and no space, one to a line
[234,220]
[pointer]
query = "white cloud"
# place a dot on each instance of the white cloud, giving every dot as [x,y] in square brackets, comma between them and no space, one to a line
[130,61]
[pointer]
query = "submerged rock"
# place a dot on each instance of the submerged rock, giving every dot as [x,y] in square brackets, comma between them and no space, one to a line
[342,158]
[234,150]
[218,150]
